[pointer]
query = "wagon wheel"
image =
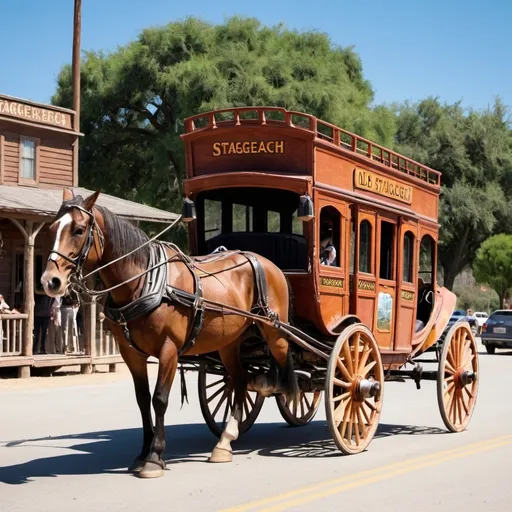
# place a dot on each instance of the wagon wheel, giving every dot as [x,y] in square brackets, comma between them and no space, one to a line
[354,389]
[216,401]
[457,377]
[301,412]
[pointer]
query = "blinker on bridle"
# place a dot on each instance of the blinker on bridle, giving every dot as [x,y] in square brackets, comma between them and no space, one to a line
[80,259]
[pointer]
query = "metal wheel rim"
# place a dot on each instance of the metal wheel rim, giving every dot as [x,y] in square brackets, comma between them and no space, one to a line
[307,406]
[457,401]
[216,401]
[342,410]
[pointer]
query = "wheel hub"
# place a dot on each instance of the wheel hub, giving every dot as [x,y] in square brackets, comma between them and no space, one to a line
[466,378]
[366,388]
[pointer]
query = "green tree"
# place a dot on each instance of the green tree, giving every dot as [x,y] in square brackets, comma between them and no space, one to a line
[473,150]
[493,264]
[135,99]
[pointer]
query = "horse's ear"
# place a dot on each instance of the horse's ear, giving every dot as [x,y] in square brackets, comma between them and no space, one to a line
[90,201]
[67,194]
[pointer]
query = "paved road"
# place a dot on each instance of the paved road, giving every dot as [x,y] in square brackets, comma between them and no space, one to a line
[65,443]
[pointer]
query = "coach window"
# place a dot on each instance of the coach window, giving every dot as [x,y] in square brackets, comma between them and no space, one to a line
[365,247]
[427,259]
[408,257]
[387,243]
[330,236]
[212,218]
[242,218]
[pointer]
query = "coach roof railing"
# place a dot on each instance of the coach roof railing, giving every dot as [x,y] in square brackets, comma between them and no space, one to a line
[276,116]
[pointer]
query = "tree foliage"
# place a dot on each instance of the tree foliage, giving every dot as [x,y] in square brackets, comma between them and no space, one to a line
[473,150]
[134,100]
[493,264]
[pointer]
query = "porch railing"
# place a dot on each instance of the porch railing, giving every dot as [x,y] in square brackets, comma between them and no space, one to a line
[12,326]
[105,342]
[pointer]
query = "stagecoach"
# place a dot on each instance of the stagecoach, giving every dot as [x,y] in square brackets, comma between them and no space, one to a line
[280,184]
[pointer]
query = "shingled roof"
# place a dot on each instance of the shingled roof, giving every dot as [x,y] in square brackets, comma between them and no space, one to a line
[45,203]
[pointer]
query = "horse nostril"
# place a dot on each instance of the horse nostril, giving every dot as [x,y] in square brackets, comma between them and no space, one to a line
[54,284]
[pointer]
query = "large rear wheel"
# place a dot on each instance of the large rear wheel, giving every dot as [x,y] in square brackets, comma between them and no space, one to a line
[216,398]
[354,389]
[457,378]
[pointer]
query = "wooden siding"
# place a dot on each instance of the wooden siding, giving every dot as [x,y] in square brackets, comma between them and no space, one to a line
[55,158]
[11,158]
[56,163]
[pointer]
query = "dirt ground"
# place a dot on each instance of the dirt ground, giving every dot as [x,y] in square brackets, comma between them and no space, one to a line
[71,376]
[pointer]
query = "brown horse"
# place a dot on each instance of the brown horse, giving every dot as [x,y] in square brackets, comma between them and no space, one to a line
[86,237]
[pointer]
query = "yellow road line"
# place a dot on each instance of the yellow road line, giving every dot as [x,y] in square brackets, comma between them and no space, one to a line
[369,476]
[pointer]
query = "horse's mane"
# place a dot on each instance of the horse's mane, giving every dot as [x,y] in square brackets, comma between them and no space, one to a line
[123,236]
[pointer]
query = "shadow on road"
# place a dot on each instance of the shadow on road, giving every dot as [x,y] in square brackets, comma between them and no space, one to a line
[112,451]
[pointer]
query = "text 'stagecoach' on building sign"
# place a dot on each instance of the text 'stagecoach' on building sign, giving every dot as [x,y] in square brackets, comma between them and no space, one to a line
[254,147]
[35,114]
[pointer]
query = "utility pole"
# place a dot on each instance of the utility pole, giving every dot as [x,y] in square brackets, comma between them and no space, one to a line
[77,29]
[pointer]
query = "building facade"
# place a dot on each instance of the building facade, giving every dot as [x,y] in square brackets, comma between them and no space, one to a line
[38,158]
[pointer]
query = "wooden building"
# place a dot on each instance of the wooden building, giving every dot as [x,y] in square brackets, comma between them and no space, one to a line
[38,158]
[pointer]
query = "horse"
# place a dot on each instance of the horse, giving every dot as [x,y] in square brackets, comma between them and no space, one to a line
[86,237]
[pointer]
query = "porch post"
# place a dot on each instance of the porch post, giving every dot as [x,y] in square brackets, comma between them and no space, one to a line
[90,334]
[29,234]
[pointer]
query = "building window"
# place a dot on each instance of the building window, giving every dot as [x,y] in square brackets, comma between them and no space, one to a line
[28,159]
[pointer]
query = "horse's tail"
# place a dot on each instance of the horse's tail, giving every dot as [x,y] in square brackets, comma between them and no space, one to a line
[287,376]
[291,311]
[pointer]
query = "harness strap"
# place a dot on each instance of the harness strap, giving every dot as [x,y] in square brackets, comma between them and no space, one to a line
[260,279]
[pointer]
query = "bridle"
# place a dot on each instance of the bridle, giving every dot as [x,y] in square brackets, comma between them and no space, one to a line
[79,261]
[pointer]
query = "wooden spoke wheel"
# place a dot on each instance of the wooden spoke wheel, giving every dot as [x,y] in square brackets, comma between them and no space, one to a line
[457,378]
[301,412]
[354,389]
[216,398]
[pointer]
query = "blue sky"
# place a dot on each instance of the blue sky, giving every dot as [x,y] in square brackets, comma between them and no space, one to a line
[453,49]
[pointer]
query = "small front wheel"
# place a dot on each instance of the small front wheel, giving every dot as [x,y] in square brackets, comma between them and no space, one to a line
[216,399]
[300,413]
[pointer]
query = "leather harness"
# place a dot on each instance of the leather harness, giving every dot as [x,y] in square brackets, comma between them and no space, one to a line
[157,290]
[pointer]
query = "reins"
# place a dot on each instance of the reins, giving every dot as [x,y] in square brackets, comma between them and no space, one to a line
[79,280]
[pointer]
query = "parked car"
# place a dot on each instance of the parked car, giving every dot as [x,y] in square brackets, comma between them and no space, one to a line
[497,331]
[481,318]
[457,315]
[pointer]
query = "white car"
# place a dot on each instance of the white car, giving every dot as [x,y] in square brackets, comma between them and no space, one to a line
[481,318]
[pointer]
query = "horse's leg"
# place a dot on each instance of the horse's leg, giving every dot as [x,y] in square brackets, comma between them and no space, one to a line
[167,364]
[231,360]
[137,365]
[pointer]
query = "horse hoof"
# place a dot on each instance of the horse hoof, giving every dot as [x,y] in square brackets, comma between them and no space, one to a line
[221,455]
[136,466]
[151,470]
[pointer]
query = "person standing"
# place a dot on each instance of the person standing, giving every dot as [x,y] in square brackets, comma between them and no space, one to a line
[42,314]
[54,345]
[69,308]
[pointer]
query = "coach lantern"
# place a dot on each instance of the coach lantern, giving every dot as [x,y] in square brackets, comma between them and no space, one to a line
[188,210]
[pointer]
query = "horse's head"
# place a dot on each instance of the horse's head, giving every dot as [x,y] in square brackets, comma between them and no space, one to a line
[76,241]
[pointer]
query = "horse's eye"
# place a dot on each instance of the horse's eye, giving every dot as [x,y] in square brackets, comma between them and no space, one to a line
[79,232]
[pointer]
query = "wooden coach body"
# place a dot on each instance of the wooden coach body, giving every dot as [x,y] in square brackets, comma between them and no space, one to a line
[246,170]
